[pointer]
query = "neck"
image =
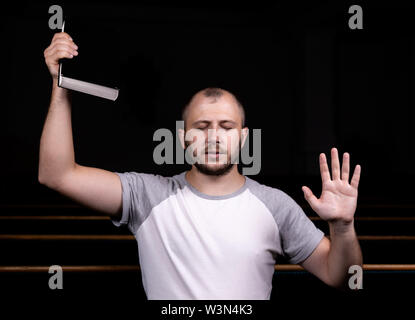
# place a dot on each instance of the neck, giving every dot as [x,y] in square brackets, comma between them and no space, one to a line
[216,185]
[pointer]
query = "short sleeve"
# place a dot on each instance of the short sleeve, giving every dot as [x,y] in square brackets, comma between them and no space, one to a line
[140,193]
[131,186]
[299,235]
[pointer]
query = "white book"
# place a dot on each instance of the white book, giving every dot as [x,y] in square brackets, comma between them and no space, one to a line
[86,87]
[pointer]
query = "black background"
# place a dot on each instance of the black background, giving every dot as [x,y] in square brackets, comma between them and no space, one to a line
[306,80]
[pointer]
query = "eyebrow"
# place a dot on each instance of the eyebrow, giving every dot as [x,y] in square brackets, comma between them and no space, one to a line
[208,121]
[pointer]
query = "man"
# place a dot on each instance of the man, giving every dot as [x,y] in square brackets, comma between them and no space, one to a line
[207,233]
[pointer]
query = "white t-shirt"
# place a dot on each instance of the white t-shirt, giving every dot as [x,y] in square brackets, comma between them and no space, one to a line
[196,246]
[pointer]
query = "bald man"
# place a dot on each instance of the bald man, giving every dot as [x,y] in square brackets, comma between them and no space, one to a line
[210,232]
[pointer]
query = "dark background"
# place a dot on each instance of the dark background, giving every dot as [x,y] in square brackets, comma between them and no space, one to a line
[306,80]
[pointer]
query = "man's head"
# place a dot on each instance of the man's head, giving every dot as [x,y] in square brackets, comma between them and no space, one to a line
[214,123]
[212,95]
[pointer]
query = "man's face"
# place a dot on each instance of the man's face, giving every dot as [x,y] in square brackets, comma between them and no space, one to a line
[213,133]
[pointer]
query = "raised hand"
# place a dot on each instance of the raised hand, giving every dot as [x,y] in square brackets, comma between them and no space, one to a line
[61,46]
[338,199]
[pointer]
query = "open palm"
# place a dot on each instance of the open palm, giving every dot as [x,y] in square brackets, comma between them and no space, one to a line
[338,197]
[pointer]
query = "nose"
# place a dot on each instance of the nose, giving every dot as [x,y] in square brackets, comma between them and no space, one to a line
[216,136]
[216,139]
[216,132]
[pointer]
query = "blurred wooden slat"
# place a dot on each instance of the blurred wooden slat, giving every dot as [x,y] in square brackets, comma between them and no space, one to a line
[48,206]
[99,217]
[131,237]
[105,268]
[54,218]
[366,267]
[65,237]
[374,218]
[384,238]
[125,268]
[76,206]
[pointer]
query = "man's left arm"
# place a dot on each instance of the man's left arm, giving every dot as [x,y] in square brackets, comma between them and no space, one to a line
[331,260]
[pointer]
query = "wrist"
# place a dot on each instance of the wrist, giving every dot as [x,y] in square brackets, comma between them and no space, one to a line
[340,227]
[55,82]
[58,92]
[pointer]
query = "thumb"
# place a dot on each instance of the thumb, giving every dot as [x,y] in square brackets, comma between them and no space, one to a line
[310,197]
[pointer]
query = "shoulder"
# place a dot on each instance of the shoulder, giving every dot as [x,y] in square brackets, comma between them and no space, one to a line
[278,202]
[152,185]
[271,195]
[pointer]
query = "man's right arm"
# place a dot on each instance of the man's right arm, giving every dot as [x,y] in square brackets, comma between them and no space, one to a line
[95,188]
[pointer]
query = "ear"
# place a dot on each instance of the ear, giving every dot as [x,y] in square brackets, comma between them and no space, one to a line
[181,137]
[244,134]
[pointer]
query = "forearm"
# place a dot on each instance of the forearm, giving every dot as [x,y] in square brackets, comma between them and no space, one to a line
[344,252]
[56,153]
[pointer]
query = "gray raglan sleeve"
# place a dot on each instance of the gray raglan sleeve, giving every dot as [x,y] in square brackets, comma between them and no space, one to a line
[140,192]
[299,235]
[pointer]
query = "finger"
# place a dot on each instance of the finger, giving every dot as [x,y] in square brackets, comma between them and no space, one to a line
[61,35]
[356,177]
[310,197]
[324,168]
[66,42]
[335,165]
[59,54]
[67,48]
[61,45]
[345,167]
[60,48]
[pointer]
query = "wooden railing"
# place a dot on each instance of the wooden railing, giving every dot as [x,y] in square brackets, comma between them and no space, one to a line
[130,268]
[123,237]
[89,216]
